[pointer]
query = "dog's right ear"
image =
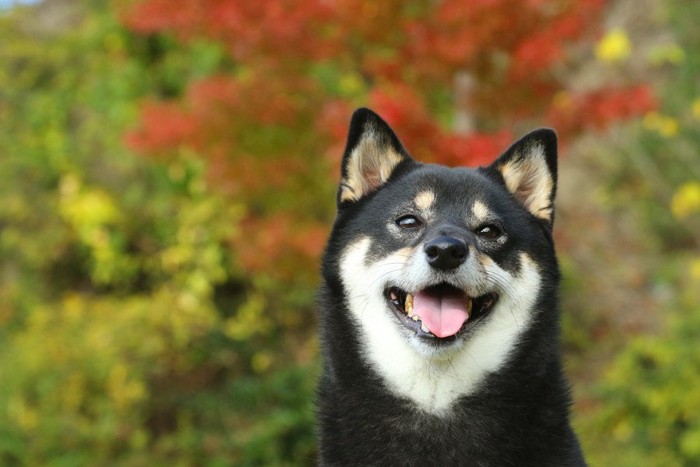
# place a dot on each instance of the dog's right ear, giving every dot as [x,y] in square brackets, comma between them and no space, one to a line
[529,171]
[372,153]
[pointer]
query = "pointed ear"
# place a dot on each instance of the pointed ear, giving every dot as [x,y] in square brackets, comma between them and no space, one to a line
[371,154]
[529,170]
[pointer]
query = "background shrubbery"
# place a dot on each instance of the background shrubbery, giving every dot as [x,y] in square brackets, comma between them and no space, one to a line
[646,402]
[167,178]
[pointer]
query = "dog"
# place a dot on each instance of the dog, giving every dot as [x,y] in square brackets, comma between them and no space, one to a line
[438,310]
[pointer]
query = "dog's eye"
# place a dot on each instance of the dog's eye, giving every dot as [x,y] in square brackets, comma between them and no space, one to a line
[408,222]
[489,232]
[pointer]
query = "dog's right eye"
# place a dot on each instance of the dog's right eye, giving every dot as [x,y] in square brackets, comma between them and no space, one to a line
[408,222]
[489,232]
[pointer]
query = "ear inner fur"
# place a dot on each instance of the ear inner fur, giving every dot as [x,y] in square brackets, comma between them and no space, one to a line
[372,153]
[368,167]
[527,172]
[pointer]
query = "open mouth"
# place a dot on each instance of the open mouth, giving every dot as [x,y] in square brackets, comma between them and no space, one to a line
[440,312]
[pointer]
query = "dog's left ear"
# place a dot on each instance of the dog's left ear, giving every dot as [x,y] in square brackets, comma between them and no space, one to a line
[372,153]
[529,170]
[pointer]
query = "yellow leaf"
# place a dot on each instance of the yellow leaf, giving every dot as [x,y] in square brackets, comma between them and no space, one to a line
[261,361]
[695,269]
[664,125]
[686,200]
[614,47]
[696,108]
[666,53]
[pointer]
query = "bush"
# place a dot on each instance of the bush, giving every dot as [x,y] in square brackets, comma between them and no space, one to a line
[128,334]
[646,404]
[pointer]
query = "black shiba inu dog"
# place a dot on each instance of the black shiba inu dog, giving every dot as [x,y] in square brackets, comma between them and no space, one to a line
[439,315]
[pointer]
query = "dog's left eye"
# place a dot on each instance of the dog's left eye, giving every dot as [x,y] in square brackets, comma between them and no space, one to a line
[408,222]
[489,232]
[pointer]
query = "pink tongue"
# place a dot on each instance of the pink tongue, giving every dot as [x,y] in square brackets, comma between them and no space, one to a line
[443,314]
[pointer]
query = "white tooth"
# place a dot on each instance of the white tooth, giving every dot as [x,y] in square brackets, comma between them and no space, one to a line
[415,317]
[424,328]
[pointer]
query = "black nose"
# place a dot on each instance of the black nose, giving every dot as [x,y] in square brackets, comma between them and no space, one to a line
[446,253]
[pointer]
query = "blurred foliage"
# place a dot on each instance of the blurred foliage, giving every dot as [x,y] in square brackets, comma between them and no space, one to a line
[270,120]
[167,183]
[126,332]
[647,403]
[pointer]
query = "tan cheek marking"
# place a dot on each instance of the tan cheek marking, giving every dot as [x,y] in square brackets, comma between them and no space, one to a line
[424,200]
[403,254]
[484,260]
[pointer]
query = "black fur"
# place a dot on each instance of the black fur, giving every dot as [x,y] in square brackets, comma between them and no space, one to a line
[519,416]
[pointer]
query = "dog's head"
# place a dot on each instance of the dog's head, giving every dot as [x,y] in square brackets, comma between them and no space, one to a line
[441,261]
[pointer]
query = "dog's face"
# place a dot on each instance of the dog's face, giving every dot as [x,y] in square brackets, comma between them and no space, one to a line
[441,269]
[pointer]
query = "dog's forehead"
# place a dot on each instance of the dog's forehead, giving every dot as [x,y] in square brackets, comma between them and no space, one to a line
[457,188]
